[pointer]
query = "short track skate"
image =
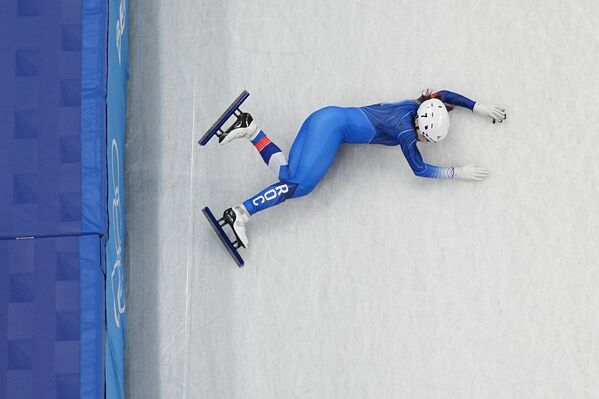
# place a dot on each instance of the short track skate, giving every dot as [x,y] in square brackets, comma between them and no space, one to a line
[231,246]
[217,127]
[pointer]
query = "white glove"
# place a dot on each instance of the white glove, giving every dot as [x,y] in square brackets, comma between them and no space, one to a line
[470,172]
[497,114]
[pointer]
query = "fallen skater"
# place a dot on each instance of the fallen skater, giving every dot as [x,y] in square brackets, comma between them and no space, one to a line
[404,123]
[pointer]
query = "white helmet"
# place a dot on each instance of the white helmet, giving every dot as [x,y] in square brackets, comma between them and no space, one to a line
[433,120]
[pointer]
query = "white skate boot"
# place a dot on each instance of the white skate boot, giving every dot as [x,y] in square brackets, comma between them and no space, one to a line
[243,127]
[237,217]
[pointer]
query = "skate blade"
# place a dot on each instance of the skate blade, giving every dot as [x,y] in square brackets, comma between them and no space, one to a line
[216,127]
[218,229]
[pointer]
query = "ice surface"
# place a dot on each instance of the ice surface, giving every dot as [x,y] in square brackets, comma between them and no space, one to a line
[379,284]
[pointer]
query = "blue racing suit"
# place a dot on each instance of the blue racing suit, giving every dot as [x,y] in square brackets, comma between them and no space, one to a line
[320,136]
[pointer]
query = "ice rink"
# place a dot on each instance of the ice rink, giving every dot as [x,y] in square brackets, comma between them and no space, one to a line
[379,284]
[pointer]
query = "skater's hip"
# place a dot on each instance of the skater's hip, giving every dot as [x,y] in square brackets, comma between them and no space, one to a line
[348,124]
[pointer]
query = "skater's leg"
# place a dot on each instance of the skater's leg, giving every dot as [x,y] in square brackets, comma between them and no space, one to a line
[270,196]
[318,140]
[238,216]
[270,153]
[246,127]
[315,148]
[312,153]
[324,130]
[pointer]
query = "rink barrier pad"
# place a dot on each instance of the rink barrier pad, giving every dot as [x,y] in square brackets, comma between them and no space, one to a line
[63,106]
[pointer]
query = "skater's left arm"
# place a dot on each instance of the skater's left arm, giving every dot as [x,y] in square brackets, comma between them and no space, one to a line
[451,98]
[494,112]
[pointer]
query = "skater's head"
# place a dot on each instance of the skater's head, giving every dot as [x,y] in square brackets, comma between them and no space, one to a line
[432,119]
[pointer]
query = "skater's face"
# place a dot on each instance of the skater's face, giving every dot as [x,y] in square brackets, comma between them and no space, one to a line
[421,137]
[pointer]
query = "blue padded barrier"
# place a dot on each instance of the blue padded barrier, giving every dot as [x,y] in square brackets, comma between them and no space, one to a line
[48,187]
[48,285]
[115,276]
[57,114]
[93,116]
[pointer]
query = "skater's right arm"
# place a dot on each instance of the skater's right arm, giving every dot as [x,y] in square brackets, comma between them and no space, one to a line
[423,169]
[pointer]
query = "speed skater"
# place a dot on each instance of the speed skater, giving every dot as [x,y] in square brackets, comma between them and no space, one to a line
[404,124]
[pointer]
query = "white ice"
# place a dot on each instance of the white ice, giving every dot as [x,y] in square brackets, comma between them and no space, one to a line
[379,284]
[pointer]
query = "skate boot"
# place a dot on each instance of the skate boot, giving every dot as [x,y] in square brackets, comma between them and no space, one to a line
[237,217]
[243,127]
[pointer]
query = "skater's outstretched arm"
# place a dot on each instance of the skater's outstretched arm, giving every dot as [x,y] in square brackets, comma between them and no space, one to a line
[423,169]
[451,98]
[494,112]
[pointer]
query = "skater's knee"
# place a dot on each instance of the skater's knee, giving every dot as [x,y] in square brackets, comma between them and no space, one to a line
[300,186]
[281,191]
[303,189]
